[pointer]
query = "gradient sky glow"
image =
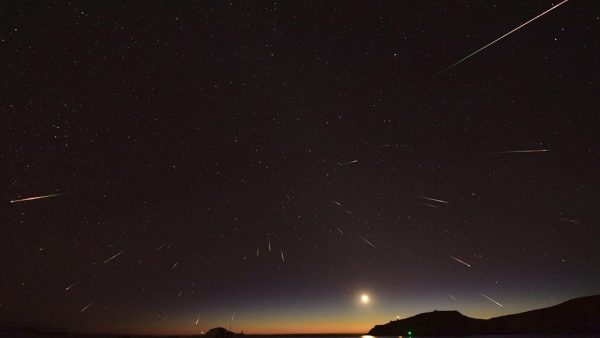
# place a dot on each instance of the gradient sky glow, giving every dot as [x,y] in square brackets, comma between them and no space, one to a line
[277,160]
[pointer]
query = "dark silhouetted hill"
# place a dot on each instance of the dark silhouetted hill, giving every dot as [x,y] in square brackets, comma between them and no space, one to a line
[219,332]
[576,316]
[436,323]
[579,315]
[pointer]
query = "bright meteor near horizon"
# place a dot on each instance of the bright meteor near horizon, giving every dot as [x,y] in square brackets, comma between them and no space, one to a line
[491,300]
[503,36]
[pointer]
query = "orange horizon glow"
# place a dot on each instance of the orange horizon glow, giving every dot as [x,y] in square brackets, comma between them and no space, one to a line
[264,328]
[357,320]
[349,326]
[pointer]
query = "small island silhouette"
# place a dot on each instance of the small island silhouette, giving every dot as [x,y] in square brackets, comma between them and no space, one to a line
[219,332]
[576,316]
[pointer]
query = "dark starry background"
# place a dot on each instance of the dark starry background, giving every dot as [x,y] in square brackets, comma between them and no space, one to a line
[191,134]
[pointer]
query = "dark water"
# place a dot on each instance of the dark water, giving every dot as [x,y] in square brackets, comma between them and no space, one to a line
[505,336]
[40,335]
[502,336]
[484,336]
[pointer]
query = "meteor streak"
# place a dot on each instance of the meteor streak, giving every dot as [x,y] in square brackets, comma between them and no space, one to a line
[71,286]
[491,300]
[115,256]
[574,221]
[365,240]
[524,151]
[502,37]
[339,230]
[433,199]
[197,320]
[348,162]
[282,256]
[430,205]
[336,202]
[88,306]
[460,261]
[34,198]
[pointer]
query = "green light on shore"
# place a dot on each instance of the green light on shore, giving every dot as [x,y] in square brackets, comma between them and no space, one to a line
[409,333]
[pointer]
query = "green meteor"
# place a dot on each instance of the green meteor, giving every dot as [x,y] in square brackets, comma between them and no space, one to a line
[502,37]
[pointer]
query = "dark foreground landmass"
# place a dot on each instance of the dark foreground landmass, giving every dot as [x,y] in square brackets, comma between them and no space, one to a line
[576,316]
[23,330]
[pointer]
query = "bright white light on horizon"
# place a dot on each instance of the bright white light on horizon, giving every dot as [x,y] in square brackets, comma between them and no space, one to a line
[365,299]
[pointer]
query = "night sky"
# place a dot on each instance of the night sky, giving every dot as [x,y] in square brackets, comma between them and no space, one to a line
[261,165]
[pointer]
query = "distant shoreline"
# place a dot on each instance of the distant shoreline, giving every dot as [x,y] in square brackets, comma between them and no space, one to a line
[118,335]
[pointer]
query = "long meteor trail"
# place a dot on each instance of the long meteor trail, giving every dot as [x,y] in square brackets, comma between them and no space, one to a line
[365,240]
[88,306]
[115,256]
[460,261]
[491,300]
[33,198]
[433,199]
[524,151]
[503,36]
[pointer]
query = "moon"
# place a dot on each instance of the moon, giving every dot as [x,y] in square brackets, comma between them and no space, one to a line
[365,299]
